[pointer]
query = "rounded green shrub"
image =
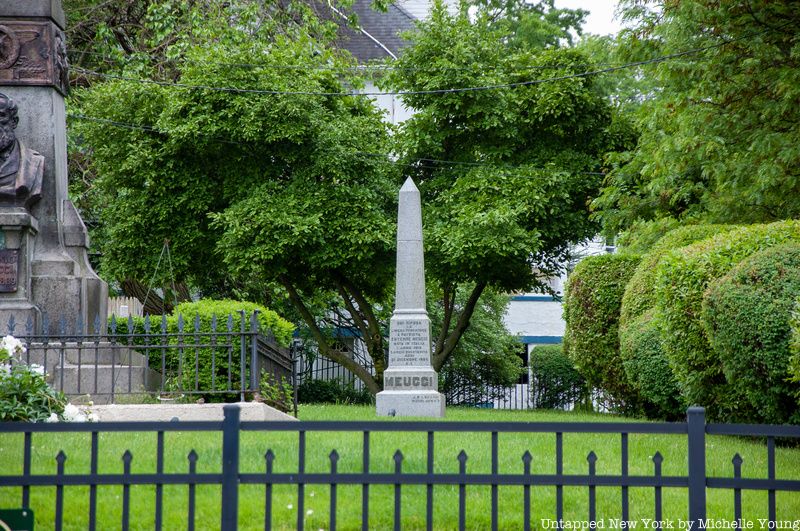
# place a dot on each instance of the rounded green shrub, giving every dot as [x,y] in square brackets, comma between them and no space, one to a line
[746,315]
[203,371]
[555,382]
[268,320]
[591,311]
[640,294]
[682,278]
[638,331]
[648,370]
[794,345]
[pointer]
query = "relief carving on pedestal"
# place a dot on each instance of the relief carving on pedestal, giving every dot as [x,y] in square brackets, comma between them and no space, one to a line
[33,53]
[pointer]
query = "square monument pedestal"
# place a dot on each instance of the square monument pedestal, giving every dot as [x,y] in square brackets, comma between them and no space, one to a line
[410,404]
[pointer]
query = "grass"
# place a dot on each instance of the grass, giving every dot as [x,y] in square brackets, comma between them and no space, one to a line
[720,451]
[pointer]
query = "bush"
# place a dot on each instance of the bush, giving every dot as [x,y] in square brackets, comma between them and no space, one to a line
[640,295]
[181,377]
[485,359]
[555,382]
[648,370]
[794,345]
[643,235]
[332,392]
[25,395]
[591,310]
[637,331]
[746,315]
[268,320]
[681,280]
[276,393]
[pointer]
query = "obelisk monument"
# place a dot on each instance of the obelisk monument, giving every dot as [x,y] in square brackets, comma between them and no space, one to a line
[44,267]
[410,385]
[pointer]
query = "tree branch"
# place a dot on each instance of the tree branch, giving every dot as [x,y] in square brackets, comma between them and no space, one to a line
[354,313]
[449,303]
[373,326]
[461,326]
[322,342]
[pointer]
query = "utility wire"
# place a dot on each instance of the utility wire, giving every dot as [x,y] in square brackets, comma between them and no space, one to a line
[425,163]
[579,75]
[345,68]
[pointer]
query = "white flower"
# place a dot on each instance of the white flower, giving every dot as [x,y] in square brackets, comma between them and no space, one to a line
[38,369]
[290,506]
[12,345]
[52,418]
[92,417]
[309,512]
[73,413]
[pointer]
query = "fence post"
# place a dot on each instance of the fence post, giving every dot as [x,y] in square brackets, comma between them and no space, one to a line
[230,468]
[696,420]
[242,355]
[254,376]
[295,353]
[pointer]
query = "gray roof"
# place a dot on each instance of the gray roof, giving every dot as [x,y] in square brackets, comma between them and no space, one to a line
[377,26]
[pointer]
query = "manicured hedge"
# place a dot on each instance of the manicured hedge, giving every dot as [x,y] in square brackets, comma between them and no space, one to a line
[794,345]
[196,363]
[268,320]
[642,236]
[640,293]
[591,310]
[746,315]
[555,382]
[645,369]
[648,370]
[682,278]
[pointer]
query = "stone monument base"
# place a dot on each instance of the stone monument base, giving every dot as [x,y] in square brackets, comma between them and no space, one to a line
[409,404]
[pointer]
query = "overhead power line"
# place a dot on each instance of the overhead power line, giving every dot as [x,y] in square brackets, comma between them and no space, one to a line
[427,163]
[343,68]
[532,82]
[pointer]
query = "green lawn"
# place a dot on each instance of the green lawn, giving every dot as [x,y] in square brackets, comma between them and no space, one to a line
[254,445]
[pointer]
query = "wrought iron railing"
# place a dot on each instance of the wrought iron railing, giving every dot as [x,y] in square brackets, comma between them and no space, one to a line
[168,357]
[233,476]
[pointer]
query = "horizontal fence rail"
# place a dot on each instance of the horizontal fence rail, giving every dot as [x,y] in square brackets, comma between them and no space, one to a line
[232,476]
[173,358]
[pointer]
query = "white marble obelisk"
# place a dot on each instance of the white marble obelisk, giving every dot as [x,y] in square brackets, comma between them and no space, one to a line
[410,385]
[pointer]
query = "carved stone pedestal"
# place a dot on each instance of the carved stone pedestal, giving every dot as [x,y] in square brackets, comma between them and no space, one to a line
[54,277]
[18,230]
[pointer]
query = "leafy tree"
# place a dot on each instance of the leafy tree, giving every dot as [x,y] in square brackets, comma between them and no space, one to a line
[485,357]
[512,194]
[533,25]
[250,188]
[265,194]
[719,132]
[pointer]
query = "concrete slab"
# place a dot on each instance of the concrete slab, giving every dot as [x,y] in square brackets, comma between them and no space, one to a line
[250,411]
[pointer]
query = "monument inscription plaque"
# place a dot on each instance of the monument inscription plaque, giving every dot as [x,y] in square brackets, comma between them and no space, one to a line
[9,265]
[409,338]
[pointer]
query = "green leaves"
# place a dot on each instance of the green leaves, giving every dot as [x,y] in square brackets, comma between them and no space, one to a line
[720,132]
[25,396]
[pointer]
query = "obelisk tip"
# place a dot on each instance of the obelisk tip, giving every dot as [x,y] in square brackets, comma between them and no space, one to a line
[409,186]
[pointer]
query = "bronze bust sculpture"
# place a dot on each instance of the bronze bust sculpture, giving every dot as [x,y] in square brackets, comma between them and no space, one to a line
[21,168]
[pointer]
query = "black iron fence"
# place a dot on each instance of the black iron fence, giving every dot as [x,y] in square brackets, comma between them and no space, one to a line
[168,357]
[233,477]
[310,366]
